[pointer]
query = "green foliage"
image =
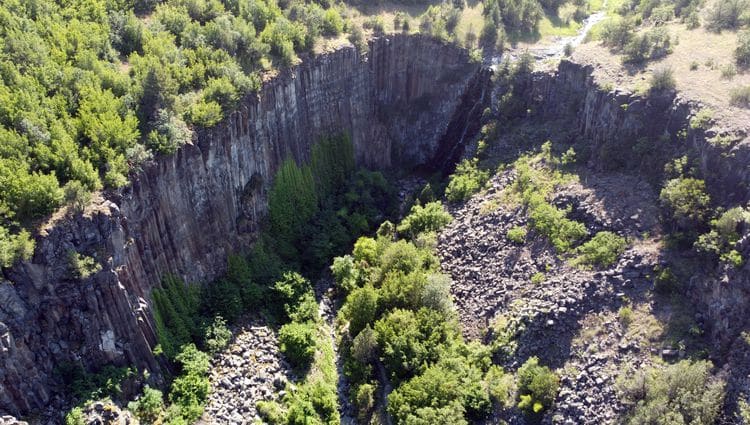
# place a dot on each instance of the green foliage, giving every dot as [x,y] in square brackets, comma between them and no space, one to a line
[467,180]
[14,247]
[82,266]
[75,417]
[361,307]
[650,45]
[430,218]
[89,92]
[662,80]
[686,202]
[534,182]
[409,340]
[721,240]
[602,250]
[217,335]
[189,391]
[617,32]
[728,14]
[625,314]
[537,278]
[149,406]
[291,204]
[680,393]
[175,309]
[517,234]
[665,281]
[537,387]
[297,342]
[294,291]
[517,16]
[702,119]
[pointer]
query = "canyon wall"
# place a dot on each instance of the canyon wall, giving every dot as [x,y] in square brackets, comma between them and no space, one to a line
[640,134]
[184,213]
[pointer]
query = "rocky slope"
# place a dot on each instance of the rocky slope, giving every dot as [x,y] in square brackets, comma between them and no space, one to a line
[182,214]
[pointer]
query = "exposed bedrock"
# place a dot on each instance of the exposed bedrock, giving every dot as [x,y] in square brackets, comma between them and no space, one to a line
[184,213]
[617,125]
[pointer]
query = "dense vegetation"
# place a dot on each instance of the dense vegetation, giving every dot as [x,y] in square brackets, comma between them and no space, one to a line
[321,207]
[89,90]
[398,317]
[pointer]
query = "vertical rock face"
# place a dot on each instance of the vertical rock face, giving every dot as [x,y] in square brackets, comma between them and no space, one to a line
[184,213]
[614,122]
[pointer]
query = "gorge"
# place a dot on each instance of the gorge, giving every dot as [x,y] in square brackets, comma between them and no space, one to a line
[410,102]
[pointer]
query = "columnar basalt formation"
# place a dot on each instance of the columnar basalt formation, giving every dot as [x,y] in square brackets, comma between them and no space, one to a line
[184,213]
[616,125]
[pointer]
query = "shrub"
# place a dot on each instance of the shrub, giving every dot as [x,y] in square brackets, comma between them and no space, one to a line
[602,250]
[297,342]
[662,80]
[625,315]
[517,234]
[501,386]
[402,290]
[361,307]
[437,293]
[75,417]
[410,340]
[465,181]
[686,201]
[223,298]
[430,218]
[364,400]
[682,393]
[332,22]
[665,281]
[617,32]
[740,96]
[537,278]
[293,289]
[728,71]
[15,247]
[344,272]
[742,52]
[365,345]
[357,38]
[149,406]
[653,44]
[727,14]
[271,412]
[82,266]
[190,390]
[537,387]
[552,222]
[217,335]
[702,119]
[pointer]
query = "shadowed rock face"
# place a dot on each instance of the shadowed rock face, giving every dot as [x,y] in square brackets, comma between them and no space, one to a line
[184,213]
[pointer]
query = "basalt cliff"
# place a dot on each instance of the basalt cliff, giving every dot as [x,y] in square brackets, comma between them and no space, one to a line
[410,102]
[401,104]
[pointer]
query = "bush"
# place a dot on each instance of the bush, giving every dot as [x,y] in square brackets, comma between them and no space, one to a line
[14,247]
[742,52]
[686,201]
[149,406]
[190,390]
[625,315]
[553,223]
[297,342]
[408,341]
[740,96]
[361,307]
[217,335]
[467,180]
[681,393]
[702,120]
[662,80]
[357,38]
[537,387]
[75,417]
[602,250]
[654,44]
[517,234]
[537,278]
[727,14]
[293,291]
[430,218]
[365,345]
[617,32]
